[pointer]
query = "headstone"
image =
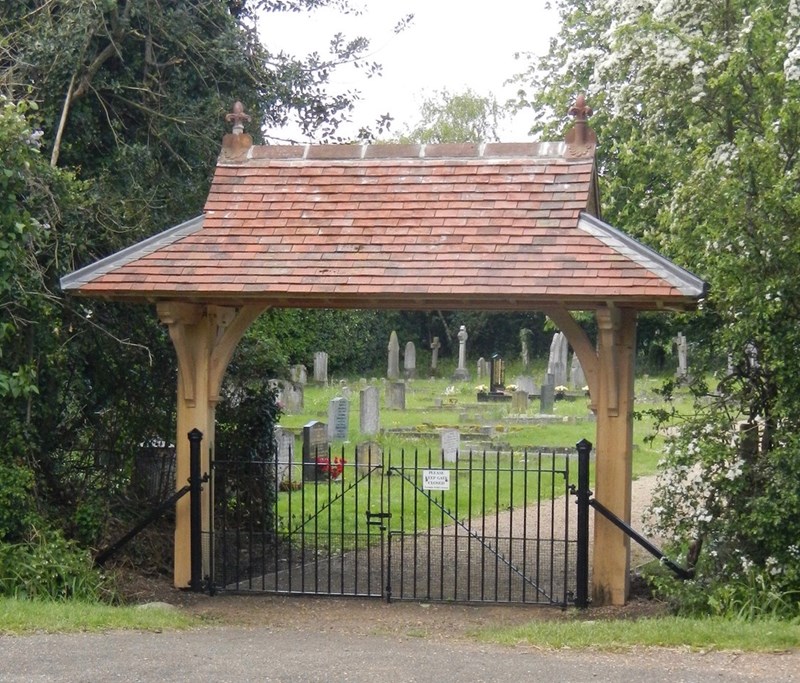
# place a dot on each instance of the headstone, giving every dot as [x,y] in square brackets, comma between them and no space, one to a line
[396,395]
[435,346]
[338,418]
[525,338]
[576,375]
[393,371]
[369,411]
[526,384]
[299,374]
[293,398]
[369,457]
[682,347]
[321,367]
[497,380]
[461,371]
[315,445]
[557,362]
[547,399]
[410,361]
[284,455]
[519,402]
[451,444]
[483,368]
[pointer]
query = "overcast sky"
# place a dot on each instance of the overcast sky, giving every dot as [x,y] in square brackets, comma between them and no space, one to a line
[453,44]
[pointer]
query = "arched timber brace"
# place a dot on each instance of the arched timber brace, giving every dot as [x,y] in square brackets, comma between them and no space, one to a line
[205,337]
[609,373]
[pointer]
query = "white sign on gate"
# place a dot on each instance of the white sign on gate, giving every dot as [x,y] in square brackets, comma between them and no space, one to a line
[436,480]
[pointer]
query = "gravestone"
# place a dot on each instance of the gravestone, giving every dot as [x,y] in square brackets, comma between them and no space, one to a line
[315,445]
[557,362]
[682,348]
[483,368]
[396,395]
[410,361]
[451,444]
[284,455]
[289,395]
[369,411]
[525,338]
[393,371]
[435,346]
[321,367]
[369,457]
[461,372]
[299,374]
[519,402]
[338,418]
[547,399]
[497,371]
[576,375]
[526,384]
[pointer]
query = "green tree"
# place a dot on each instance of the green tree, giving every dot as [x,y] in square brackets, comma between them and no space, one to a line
[456,117]
[697,117]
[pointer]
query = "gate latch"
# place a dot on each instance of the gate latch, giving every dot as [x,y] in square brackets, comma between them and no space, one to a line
[376,518]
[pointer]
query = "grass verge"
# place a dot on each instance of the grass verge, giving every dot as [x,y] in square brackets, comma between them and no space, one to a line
[696,634]
[19,617]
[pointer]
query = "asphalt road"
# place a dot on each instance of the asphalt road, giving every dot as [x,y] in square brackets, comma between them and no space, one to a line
[243,654]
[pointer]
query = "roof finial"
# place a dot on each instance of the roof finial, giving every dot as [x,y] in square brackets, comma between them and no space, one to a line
[237,117]
[580,138]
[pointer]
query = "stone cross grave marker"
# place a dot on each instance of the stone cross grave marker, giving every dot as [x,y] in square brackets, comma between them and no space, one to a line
[461,371]
[393,371]
[451,444]
[315,445]
[435,346]
[321,367]
[410,361]
[338,418]
[369,411]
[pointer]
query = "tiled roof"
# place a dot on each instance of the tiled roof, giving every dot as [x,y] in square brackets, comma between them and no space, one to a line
[493,227]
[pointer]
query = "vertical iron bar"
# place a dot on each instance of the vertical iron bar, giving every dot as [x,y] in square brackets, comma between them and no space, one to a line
[356,517]
[428,534]
[483,529]
[456,531]
[584,495]
[386,529]
[566,530]
[469,531]
[510,520]
[497,526]
[525,526]
[416,513]
[195,522]
[402,563]
[552,524]
[441,536]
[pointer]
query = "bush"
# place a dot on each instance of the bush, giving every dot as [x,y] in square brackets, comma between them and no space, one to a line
[49,567]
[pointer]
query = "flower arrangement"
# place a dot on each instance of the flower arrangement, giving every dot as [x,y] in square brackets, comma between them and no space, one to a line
[481,388]
[561,389]
[332,467]
[511,387]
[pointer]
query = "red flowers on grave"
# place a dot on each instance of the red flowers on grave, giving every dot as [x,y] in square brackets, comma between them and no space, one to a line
[332,467]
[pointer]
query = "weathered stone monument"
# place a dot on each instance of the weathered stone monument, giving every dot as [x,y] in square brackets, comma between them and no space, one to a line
[519,402]
[393,370]
[557,362]
[410,361]
[683,349]
[338,418]
[315,446]
[369,457]
[435,346]
[547,397]
[369,411]
[483,368]
[289,395]
[577,378]
[284,455]
[396,395]
[461,372]
[321,367]
[298,374]
[451,444]
[526,383]
[525,338]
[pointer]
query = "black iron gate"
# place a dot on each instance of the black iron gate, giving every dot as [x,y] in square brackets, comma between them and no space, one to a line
[484,527]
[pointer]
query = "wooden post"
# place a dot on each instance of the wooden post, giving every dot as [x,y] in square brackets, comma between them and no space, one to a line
[613,469]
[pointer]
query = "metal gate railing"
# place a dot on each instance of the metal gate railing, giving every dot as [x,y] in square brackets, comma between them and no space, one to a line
[482,528]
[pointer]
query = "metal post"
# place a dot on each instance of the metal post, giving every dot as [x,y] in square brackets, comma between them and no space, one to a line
[584,495]
[195,522]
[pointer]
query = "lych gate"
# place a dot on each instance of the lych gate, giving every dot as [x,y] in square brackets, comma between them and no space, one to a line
[490,227]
